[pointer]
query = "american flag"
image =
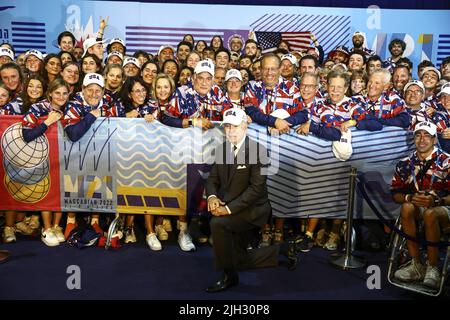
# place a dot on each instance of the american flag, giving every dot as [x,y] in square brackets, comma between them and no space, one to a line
[270,40]
[150,39]
[28,35]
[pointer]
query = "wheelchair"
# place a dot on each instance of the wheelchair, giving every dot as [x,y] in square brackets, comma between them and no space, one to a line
[114,227]
[399,255]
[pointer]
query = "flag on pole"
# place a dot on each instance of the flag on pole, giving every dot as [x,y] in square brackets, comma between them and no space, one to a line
[270,40]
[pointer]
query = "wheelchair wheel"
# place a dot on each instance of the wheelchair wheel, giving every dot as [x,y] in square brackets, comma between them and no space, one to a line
[114,227]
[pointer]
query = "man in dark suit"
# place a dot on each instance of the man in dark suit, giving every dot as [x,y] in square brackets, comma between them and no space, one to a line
[238,200]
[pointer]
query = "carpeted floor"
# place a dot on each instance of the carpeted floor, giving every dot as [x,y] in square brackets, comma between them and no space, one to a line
[36,271]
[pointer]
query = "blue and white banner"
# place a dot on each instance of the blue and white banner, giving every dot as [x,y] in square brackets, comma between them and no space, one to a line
[147,26]
[130,166]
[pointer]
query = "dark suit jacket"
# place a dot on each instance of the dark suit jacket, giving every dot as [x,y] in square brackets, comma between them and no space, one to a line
[241,184]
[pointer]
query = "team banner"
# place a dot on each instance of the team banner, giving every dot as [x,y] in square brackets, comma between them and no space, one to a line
[130,166]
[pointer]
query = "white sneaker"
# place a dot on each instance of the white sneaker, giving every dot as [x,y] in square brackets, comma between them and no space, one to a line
[185,242]
[167,225]
[432,277]
[130,237]
[34,222]
[411,271]
[57,230]
[24,228]
[161,233]
[9,235]
[153,242]
[333,242]
[49,238]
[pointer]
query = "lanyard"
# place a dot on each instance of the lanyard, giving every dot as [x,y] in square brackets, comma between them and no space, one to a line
[433,175]
[268,102]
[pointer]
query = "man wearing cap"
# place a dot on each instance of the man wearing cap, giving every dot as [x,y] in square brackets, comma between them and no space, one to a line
[131,67]
[238,200]
[116,44]
[233,84]
[165,52]
[414,92]
[430,77]
[421,184]
[358,40]
[339,55]
[6,55]
[289,65]
[93,46]
[383,105]
[442,118]
[273,92]
[396,48]
[199,103]
[86,107]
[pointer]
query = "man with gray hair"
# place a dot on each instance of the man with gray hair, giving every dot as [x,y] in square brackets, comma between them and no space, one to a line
[384,105]
[272,93]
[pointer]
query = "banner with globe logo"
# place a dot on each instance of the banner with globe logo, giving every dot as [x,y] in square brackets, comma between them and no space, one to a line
[29,171]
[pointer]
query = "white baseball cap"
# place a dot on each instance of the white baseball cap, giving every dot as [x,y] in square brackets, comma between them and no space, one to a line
[132,60]
[116,40]
[342,149]
[91,78]
[233,73]
[291,58]
[280,113]
[114,53]
[431,69]
[6,52]
[206,65]
[359,33]
[445,89]
[165,47]
[35,53]
[414,82]
[89,42]
[427,126]
[234,116]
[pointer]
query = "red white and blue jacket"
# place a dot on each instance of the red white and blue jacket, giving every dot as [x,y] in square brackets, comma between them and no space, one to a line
[260,102]
[13,107]
[388,110]
[32,127]
[187,103]
[442,121]
[408,177]
[77,117]
[150,107]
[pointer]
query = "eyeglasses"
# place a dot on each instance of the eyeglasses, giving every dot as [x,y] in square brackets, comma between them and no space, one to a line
[140,91]
[308,86]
